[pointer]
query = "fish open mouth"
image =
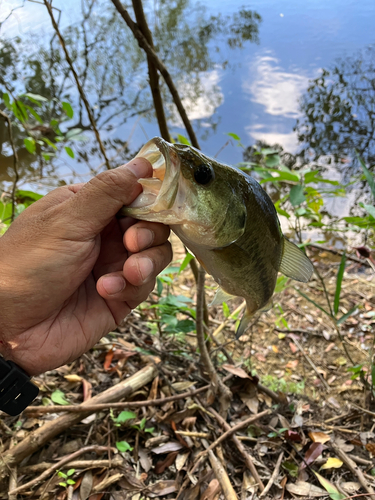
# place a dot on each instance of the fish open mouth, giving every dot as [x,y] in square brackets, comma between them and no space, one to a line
[159,191]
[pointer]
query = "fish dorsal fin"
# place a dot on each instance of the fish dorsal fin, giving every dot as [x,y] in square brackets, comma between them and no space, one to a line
[294,263]
[221,297]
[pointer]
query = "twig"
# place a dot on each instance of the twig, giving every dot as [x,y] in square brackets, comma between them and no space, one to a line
[217,385]
[38,438]
[234,429]
[160,66]
[273,477]
[205,435]
[125,404]
[15,163]
[152,71]
[364,410]
[337,252]
[229,318]
[240,447]
[117,461]
[354,470]
[310,363]
[221,474]
[57,466]
[80,89]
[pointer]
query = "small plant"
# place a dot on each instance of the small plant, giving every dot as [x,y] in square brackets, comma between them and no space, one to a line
[67,481]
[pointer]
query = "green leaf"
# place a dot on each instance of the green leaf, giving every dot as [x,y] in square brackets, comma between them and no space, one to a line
[234,136]
[268,151]
[30,144]
[296,195]
[19,111]
[159,286]
[69,151]
[226,310]
[27,197]
[36,98]
[71,481]
[339,278]
[70,472]
[186,261]
[346,316]
[370,209]
[61,474]
[6,100]
[34,113]
[47,141]
[369,177]
[124,416]
[183,140]
[290,467]
[330,488]
[58,397]
[68,109]
[273,160]
[123,446]
[71,133]
[312,301]
[64,485]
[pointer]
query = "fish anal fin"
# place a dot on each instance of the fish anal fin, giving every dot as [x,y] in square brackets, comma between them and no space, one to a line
[244,323]
[220,297]
[294,263]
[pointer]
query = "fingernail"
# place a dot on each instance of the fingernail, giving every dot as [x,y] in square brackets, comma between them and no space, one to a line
[140,167]
[145,237]
[113,284]
[146,267]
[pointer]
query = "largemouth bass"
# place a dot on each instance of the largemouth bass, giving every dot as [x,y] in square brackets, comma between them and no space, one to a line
[224,217]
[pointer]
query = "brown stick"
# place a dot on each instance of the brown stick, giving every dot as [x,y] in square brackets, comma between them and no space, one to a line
[79,86]
[234,429]
[57,466]
[274,476]
[218,387]
[352,466]
[15,163]
[221,474]
[106,406]
[117,461]
[338,252]
[142,42]
[41,436]
[240,447]
[152,71]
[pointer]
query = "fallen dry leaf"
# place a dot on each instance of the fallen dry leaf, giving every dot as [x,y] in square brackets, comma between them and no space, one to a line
[236,370]
[319,437]
[308,490]
[332,463]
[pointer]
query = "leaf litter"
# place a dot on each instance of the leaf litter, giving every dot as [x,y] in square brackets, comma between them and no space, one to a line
[316,439]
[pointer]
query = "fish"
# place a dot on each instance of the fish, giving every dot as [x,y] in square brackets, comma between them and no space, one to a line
[226,220]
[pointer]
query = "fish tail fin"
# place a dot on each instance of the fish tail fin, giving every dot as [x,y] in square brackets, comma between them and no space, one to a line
[244,323]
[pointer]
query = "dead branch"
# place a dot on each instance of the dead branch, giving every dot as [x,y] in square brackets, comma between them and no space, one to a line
[274,475]
[58,466]
[79,87]
[152,71]
[335,251]
[221,474]
[41,436]
[240,447]
[142,42]
[15,163]
[117,461]
[352,466]
[234,429]
[218,386]
[106,406]
[300,348]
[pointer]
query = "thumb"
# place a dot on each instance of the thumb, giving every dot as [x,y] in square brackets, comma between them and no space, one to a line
[91,209]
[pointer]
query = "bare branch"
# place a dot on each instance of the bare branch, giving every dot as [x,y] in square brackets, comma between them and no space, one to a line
[80,89]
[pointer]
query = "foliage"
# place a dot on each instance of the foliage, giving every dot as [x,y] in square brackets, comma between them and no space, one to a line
[67,481]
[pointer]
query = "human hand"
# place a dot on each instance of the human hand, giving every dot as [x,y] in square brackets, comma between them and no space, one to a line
[70,271]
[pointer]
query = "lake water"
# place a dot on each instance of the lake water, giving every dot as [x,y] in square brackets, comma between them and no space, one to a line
[254,91]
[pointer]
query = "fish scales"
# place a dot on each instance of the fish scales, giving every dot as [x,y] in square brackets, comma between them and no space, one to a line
[224,217]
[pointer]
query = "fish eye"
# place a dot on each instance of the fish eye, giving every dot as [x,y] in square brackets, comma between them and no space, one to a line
[203,174]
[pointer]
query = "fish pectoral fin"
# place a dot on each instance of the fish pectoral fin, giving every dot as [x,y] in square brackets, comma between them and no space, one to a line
[244,323]
[294,263]
[220,297]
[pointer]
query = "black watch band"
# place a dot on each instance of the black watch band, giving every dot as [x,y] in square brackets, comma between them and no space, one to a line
[16,389]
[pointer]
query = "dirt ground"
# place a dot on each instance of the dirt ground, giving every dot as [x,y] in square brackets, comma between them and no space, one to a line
[300,423]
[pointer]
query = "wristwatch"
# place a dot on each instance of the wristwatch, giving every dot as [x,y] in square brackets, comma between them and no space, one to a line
[16,389]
